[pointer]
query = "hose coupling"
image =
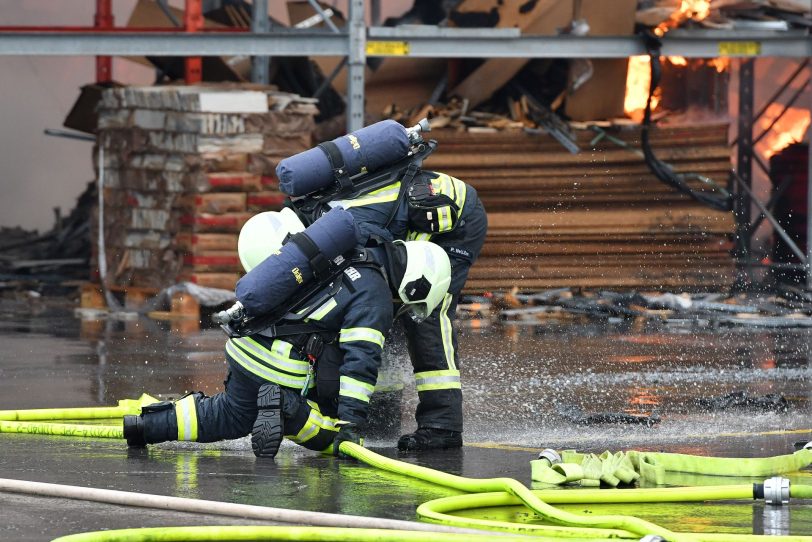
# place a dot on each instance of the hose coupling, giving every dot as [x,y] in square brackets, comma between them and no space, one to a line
[776,491]
[653,538]
[235,312]
[414,133]
[550,455]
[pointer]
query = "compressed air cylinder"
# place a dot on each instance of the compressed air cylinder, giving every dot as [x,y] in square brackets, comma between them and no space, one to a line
[281,276]
[367,149]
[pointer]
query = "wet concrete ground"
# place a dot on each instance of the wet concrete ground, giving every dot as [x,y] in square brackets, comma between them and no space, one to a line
[517,383]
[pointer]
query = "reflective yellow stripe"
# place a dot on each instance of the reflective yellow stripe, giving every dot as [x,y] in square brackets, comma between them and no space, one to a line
[350,387]
[444,222]
[382,195]
[451,187]
[418,236]
[447,333]
[264,371]
[322,311]
[278,356]
[437,380]
[459,192]
[308,431]
[315,422]
[361,334]
[186,415]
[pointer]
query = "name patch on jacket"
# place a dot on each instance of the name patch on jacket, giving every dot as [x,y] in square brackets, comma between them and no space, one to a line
[352,273]
[454,251]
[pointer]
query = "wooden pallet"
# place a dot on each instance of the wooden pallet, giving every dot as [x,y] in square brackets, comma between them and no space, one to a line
[184,311]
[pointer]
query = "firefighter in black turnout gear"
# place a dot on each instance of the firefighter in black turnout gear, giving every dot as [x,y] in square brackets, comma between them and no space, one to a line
[310,387]
[429,206]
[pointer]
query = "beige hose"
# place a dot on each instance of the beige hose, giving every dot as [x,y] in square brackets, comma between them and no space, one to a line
[198,506]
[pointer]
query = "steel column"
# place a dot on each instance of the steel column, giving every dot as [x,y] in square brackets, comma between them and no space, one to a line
[744,172]
[193,22]
[809,208]
[356,66]
[104,20]
[260,24]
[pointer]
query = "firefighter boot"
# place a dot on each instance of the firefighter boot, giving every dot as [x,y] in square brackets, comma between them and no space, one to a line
[266,435]
[428,438]
[134,431]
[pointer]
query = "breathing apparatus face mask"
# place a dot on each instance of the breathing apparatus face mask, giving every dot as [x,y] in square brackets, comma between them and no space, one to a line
[416,311]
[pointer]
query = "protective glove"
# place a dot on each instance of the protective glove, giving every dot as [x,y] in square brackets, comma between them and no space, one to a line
[348,432]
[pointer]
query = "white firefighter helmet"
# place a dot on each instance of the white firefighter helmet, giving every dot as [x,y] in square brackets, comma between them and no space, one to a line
[264,235]
[426,277]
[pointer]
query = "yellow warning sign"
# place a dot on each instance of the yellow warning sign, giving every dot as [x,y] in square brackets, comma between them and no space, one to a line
[387,48]
[739,48]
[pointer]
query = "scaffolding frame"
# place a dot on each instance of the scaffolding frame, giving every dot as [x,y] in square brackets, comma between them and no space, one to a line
[356,42]
[742,176]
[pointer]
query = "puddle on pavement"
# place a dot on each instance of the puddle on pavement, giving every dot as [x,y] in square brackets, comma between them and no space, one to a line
[517,381]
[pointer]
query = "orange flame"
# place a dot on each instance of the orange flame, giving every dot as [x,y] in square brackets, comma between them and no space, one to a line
[789,129]
[689,9]
[721,64]
[638,80]
[696,9]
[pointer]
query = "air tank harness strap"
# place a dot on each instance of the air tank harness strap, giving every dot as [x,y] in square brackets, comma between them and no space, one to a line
[405,182]
[319,264]
[340,173]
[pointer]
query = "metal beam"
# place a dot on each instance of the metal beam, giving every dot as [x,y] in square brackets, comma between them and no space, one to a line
[412,41]
[104,20]
[260,24]
[744,171]
[324,16]
[485,43]
[356,65]
[292,43]
[808,213]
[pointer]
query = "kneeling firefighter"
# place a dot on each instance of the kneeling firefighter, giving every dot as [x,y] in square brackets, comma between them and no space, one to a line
[376,174]
[308,375]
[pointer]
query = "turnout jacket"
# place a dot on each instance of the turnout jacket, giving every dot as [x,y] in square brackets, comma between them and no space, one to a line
[371,211]
[353,322]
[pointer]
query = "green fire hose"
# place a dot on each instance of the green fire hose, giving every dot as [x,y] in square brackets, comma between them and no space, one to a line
[124,408]
[63,429]
[483,493]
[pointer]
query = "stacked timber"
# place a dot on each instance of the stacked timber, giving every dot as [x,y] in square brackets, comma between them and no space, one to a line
[597,219]
[183,169]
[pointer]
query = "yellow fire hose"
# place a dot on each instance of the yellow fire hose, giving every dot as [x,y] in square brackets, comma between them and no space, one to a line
[125,407]
[483,493]
[39,421]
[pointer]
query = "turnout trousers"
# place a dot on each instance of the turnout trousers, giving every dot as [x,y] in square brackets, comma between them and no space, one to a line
[230,414]
[433,342]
